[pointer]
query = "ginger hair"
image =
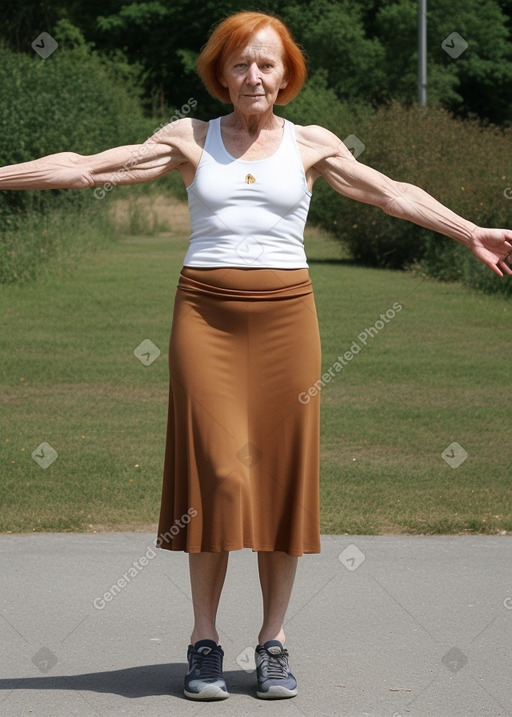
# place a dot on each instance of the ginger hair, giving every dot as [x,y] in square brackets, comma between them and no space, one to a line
[232,35]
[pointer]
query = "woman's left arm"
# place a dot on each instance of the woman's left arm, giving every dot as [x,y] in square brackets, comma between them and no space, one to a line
[406,201]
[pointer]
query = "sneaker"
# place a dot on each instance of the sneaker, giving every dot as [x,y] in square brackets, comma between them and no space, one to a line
[275,681]
[204,680]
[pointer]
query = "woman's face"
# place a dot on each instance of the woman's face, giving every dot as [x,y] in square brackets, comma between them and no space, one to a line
[255,74]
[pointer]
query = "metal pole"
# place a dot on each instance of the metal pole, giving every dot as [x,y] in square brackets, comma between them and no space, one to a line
[422,52]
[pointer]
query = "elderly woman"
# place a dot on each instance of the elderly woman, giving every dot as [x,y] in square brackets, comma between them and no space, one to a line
[242,458]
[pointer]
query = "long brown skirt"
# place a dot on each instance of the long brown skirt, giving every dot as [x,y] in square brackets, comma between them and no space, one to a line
[242,454]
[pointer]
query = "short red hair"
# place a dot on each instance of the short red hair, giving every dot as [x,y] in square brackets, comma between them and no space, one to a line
[233,34]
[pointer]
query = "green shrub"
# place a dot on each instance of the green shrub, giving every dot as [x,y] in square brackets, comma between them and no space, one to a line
[317,103]
[464,165]
[45,243]
[74,100]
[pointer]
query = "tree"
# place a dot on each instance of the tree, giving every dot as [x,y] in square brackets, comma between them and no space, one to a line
[367,49]
[475,82]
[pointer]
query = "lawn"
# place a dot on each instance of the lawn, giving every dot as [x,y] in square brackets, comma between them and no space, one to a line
[416,413]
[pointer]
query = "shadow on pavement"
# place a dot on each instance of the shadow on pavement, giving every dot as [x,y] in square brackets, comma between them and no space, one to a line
[132,682]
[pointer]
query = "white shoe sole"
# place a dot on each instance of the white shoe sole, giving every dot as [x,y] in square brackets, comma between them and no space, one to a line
[210,693]
[277,693]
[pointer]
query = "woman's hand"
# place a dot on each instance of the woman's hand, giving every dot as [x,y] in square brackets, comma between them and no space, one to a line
[492,246]
[405,201]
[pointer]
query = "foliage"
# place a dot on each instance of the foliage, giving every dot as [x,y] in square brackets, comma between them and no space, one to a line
[317,103]
[368,48]
[74,101]
[427,147]
[117,56]
[43,244]
[334,38]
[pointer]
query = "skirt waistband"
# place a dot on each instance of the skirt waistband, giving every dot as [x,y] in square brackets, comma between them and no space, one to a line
[247,284]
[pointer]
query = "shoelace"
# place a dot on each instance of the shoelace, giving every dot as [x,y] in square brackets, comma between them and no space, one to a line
[208,663]
[276,665]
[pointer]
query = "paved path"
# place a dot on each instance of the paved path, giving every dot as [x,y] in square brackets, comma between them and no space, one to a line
[377,627]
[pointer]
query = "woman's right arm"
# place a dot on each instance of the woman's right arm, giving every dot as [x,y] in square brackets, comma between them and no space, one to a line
[129,164]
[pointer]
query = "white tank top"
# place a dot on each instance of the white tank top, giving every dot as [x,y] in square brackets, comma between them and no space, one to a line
[248,213]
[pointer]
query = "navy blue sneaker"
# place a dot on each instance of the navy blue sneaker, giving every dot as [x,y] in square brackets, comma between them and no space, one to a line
[275,681]
[204,680]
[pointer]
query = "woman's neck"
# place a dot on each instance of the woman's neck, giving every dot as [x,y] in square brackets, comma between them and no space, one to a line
[253,124]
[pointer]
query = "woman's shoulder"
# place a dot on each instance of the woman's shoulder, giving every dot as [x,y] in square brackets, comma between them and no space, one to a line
[186,129]
[315,135]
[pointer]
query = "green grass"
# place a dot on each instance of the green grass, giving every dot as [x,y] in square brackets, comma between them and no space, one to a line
[438,372]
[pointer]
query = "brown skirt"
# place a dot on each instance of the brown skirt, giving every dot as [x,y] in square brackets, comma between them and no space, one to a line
[242,454]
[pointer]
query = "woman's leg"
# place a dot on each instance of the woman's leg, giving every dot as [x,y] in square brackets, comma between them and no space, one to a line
[207,573]
[277,574]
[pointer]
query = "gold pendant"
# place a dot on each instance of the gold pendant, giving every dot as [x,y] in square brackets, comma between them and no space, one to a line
[249,179]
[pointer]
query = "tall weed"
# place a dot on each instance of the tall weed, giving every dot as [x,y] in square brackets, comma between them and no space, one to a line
[42,244]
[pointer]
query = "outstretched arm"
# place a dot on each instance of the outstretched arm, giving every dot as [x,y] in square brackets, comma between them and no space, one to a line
[406,201]
[129,164]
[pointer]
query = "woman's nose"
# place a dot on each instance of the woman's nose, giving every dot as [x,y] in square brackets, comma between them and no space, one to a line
[253,74]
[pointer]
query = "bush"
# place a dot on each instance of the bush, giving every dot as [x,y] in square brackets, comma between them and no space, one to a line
[462,163]
[74,100]
[47,243]
[317,103]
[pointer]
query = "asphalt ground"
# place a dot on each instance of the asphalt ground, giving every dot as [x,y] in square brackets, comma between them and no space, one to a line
[384,626]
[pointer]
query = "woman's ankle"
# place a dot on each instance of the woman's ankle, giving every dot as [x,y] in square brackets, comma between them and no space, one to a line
[264,637]
[204,635]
